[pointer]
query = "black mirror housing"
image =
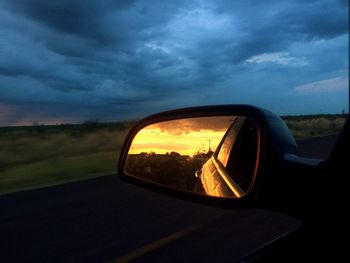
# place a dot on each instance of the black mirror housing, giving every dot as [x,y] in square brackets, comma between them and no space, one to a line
[275,141]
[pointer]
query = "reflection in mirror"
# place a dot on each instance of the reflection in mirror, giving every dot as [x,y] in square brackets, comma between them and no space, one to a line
[215,156]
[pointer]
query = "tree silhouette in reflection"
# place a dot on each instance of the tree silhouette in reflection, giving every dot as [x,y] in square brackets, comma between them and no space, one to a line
[171,169]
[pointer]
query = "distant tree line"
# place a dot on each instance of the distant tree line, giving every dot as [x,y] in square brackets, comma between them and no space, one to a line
[171,169]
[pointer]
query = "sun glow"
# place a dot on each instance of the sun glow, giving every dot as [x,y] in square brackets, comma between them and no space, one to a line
[185,136]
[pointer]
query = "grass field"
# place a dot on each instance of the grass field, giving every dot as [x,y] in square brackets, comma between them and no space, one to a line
[309,126]
[38,156]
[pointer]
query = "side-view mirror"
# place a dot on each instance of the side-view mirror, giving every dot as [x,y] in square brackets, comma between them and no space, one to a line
[215,156]
[207,153]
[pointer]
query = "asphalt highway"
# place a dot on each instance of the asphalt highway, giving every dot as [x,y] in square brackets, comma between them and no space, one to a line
[108,220]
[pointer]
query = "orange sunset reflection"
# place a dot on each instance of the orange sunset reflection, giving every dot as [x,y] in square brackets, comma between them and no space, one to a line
[184,136]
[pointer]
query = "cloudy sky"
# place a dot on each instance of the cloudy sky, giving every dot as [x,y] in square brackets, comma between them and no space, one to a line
[70,61]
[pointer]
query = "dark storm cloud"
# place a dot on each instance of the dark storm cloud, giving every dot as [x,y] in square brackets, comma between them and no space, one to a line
[81,17]
[273,25]
[150,55]
[91,37]
[185,126]
[112,24]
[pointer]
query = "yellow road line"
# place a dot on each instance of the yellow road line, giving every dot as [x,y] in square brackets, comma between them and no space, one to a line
[157,244]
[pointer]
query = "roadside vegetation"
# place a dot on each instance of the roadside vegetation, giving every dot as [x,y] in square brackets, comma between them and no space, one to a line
[38,156]
[310,126]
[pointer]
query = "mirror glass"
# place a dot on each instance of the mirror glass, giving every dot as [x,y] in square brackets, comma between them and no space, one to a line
[215,156]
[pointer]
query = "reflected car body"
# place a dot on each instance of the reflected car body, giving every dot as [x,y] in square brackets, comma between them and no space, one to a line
[231,169]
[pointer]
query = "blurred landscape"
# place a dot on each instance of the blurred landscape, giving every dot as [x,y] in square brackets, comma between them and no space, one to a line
[38,155]
[311,126]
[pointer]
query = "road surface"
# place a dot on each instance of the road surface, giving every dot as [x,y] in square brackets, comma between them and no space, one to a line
[108,220]
[319,147]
